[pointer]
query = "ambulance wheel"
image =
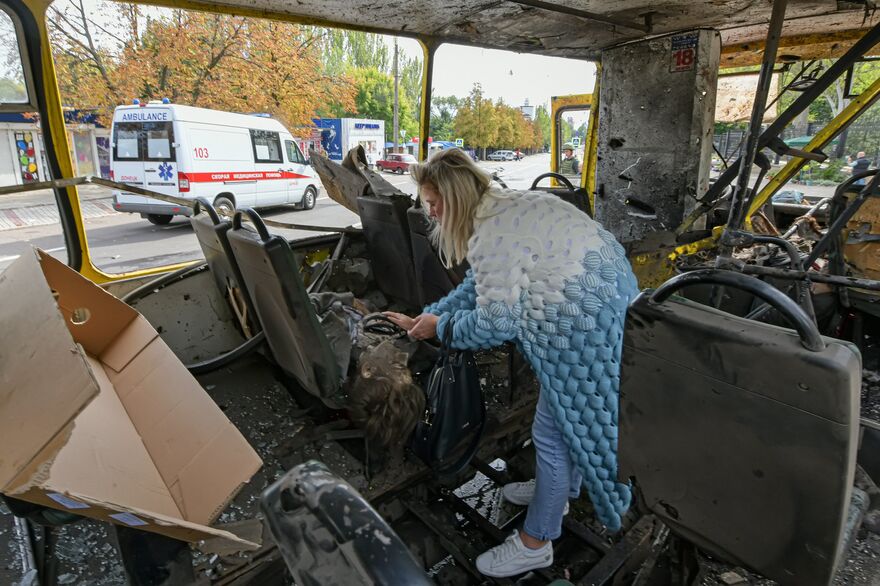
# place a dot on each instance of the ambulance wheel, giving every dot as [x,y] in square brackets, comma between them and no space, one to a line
[309,198]
[159,219]
[224,206]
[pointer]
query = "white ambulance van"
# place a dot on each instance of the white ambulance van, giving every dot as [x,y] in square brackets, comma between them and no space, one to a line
[232,160]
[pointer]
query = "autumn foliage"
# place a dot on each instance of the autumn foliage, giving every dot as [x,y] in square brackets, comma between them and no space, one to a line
[200,59]
[484,123]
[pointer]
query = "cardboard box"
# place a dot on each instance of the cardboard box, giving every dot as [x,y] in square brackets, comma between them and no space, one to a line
[98,417]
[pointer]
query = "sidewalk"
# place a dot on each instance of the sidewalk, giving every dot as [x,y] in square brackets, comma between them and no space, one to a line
[38,208]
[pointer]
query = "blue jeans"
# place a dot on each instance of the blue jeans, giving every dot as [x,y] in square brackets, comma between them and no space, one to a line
[556,478]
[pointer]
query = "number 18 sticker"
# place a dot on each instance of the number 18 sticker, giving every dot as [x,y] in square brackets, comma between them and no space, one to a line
[684,52]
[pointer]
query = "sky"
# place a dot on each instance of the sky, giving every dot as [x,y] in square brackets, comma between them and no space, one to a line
[513,77]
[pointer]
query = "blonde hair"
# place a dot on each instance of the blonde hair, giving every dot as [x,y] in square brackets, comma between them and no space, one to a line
[461,185]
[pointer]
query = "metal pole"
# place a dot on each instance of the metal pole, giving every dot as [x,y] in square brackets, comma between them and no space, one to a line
[810,213]
[396,78]
[30,574]
[792,275]
[738,203]
[428,49]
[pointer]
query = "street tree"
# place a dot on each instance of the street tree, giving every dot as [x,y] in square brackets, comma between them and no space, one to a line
[411,85]
[196,58]
[374,99]
[542,125]
[12,88]
[864,74]
[477,120]
[354,53]
[443,111]
[343,50]
[288,77]
[833,101]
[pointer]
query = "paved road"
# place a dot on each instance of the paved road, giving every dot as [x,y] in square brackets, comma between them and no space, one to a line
[125,242]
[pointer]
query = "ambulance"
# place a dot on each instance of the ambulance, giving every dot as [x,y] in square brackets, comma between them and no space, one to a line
[232,160]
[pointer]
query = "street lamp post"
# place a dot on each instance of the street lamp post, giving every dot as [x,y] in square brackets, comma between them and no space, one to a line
[396,77]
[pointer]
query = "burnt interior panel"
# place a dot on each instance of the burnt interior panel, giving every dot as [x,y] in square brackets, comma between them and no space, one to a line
[656,113]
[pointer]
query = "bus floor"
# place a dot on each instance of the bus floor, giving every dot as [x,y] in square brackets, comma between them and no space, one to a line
[446,524]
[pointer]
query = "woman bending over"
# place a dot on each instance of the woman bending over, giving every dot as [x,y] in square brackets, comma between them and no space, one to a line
[548,278]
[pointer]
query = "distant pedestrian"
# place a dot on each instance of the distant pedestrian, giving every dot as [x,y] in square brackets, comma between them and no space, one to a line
[860,165]
[570,164]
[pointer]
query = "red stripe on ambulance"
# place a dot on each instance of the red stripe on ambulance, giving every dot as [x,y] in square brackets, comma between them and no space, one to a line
[240,176]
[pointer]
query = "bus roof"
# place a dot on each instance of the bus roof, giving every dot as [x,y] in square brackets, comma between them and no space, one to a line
[813,28]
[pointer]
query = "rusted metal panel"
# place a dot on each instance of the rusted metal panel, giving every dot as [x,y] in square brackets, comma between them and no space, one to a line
[501,24]
[794,47]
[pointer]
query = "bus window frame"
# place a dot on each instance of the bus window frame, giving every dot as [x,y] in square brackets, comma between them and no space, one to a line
[32,36]
[31,104]
[48,102]
[557,130]
[558,106]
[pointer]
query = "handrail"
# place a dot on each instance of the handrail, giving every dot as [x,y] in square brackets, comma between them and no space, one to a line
[184,202]
[255,219]
[809,333]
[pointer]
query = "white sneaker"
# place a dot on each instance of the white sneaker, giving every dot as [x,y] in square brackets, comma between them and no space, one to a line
[521,493]
[512,558]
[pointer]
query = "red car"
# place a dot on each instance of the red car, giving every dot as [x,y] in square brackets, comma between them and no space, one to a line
[396,162]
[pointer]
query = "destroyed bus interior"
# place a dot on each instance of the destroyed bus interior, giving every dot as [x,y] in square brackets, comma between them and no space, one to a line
[248,418]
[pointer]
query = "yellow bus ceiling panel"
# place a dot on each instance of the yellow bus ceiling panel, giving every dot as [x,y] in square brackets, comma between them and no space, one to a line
[823,37]
[512,26]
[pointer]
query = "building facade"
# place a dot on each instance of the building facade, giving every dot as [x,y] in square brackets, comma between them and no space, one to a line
[23,152]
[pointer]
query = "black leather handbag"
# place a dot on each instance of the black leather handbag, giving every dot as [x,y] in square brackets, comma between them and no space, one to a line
[448,435]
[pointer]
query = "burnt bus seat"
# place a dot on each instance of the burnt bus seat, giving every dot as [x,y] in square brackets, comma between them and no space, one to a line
[386,231]
[432,278]
[740,435]
[270,274]
[328,533]
[211,231]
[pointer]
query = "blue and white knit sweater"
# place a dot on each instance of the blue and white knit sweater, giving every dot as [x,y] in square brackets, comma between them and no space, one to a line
[550,279]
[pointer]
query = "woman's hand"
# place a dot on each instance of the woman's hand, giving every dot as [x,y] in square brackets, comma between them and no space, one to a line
[424,327]
[400,320]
